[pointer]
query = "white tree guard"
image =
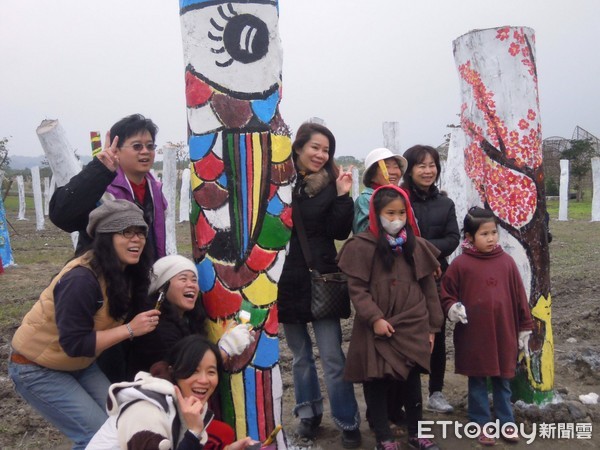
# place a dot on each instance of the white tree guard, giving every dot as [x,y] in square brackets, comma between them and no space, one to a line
[184,196]
[355,183]
[169,189]
[22,202]
[37,198]
[47,195]
[563,202]
[391,136]
[596,191]
[58,151]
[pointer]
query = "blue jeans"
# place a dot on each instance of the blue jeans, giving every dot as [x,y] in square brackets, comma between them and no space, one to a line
[479,405]
[74,402]
[309,401]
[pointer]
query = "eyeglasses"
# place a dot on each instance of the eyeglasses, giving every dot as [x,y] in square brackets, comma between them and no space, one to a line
[130,232]
[138,146]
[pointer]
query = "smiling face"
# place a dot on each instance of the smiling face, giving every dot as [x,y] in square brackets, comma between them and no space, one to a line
[394,173]
[183,291]
[313,156]
[136,163]
[424,173]
[129,250]
[486,237]
[203,382]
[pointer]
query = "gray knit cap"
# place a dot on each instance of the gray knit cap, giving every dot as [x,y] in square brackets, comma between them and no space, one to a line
[113,216]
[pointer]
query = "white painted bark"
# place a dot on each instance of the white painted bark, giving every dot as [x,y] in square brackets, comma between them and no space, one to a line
[596,191]
[58,151]
[563,203]
[184,196]
[317,120]
[355,183]
[37,198]
[22,202]
[47,196]
[391,136]
[169,190]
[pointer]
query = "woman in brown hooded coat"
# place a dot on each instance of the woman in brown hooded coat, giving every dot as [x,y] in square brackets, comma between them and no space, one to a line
[397,307]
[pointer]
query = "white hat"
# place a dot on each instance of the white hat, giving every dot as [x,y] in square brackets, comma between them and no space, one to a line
[166,268]
[377,155]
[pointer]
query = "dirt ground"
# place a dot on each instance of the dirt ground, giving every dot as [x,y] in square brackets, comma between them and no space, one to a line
[575,255]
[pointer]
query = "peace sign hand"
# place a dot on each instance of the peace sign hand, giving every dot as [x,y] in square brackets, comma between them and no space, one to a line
[109,155]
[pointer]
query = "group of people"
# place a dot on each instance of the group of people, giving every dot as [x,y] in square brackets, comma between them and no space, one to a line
[123,312]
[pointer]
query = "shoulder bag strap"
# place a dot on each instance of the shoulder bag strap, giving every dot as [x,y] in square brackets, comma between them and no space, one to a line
[301,232]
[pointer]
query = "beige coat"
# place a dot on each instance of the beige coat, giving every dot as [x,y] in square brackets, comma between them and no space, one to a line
[407,298]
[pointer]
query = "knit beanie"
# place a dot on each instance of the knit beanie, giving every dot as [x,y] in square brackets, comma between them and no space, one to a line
[113,216]
[166,268]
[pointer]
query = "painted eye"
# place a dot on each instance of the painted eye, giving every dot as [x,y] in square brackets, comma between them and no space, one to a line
[242,37]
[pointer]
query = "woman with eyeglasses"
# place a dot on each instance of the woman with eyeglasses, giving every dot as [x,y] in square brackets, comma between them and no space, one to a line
[122,169]
[86,309]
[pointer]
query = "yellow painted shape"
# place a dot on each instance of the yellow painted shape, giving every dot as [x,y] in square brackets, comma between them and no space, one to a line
[239,403]
[257,174]
[281,148]
[543,312]
[195,180]
[262,291]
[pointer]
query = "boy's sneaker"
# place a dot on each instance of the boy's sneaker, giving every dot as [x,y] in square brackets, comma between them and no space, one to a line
[388,445]
[351,438]
[438,403]
[422,444]
[307,428]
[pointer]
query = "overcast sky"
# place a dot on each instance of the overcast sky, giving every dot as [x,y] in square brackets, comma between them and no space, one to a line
[353,63]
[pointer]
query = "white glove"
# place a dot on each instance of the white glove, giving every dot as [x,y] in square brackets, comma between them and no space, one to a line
[524,341]
[236,340]
[457,313]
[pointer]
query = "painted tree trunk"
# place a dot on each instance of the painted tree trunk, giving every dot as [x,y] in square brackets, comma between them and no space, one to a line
[391,136]
[47,196]
[22,202]
[169,188]
[503,158]
[241,180]
[59,152]
[6,255]
[563,199]
[596,190]
[184,196]
[355,183]
[96,143]
[37,198]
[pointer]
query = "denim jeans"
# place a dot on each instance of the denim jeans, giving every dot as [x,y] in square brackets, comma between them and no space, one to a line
[74,402]
[479,405]
[309,402]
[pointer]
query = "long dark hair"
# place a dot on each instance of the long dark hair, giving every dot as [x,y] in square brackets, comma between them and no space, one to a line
[380,199]
[185,356]
[126,289]
[416,155]
[303,135]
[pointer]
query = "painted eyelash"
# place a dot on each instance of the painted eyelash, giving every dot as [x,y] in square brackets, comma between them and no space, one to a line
[226,16]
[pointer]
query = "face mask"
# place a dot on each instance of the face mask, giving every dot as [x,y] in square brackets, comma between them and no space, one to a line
[392,227]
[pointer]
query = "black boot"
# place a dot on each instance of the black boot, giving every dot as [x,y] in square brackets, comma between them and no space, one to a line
[307,428]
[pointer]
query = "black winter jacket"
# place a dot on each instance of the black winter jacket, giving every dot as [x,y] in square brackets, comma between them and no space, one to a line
[436,217]
[326,217]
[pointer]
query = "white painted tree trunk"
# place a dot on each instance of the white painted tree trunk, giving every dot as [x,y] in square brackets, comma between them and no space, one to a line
[37,198]
[22,202]
[58,151]
[47,195]
[596,192]
[391,136]
[563,203]
[355,183]
[169,190]
[184,196]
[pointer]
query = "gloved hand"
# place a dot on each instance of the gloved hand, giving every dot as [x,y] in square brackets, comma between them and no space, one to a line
[457,313]
[524,341]
[236,340]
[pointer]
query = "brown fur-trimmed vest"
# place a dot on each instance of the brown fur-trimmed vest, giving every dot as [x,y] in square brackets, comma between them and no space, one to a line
[37,337]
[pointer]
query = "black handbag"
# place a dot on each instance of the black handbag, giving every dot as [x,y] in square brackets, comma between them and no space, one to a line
[329,291]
